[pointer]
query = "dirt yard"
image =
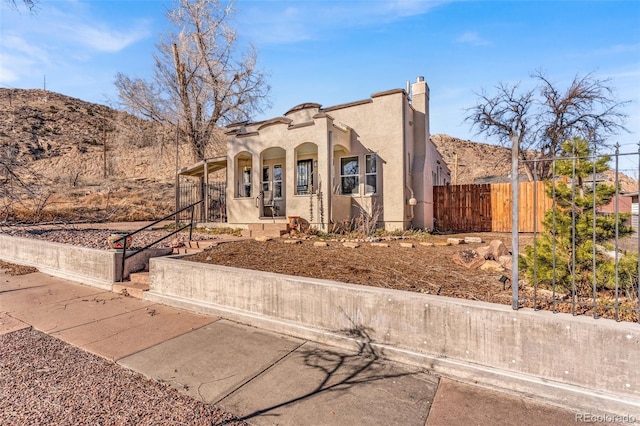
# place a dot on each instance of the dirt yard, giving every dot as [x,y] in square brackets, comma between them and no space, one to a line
[422,269]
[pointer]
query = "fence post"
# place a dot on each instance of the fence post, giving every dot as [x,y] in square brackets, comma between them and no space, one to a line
[514,223]
[638,233]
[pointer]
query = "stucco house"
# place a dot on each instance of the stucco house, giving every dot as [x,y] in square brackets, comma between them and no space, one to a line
[370,158]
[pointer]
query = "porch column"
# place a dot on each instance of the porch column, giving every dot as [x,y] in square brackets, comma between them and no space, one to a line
[205,190]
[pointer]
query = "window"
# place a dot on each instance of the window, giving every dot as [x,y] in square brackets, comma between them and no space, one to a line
[277,181]
[266,178]
[246,182]
[304,184]
[349,175]
[371,173]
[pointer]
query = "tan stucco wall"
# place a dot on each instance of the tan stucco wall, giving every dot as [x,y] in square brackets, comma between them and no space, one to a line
[387,125]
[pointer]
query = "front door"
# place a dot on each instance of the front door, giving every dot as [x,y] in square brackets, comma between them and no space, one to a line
[273,203]
[304,184]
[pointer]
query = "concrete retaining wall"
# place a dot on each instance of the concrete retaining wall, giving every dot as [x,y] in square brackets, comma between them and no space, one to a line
[576,362]
[98,268]
[90,266]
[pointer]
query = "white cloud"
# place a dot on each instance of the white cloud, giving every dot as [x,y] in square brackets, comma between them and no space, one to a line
[279,22]
[403,8]
[105,39]
[618,48]
[19,58]
[472,38]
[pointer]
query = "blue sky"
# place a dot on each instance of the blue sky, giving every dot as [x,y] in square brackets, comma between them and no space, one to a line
[331,52]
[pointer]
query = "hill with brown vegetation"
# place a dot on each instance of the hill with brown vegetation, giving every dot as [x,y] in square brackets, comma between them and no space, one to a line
[81,158]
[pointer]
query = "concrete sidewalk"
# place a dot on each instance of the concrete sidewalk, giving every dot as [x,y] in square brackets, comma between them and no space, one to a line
[261,377]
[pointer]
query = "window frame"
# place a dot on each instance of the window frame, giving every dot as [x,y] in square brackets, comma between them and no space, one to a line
[368,174]
[351,175]
[266,184]
[277,182]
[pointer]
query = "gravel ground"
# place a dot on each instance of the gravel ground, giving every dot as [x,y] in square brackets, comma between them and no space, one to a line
[97,238]
[45,381]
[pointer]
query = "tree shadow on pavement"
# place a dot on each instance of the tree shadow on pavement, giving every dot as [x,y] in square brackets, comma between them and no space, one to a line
[340,371]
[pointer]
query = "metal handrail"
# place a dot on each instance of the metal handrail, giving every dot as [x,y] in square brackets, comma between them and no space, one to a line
[123,239]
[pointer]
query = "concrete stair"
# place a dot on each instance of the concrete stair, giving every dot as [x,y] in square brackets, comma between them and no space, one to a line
[275,230]
[138,284]
[201,244]
[193,247]
[187,250]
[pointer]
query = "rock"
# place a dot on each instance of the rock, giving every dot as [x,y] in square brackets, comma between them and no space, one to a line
[506,261]
[491,265]
[264,239]
[350,244]
[293,241]
[176,243]
[320,244]
[484,252]
[497,249]
[442,243]
[407,245]
[455,241]
[468,258]
[379,245]
[472,240]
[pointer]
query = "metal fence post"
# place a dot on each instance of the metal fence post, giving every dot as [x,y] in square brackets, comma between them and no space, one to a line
[514,221]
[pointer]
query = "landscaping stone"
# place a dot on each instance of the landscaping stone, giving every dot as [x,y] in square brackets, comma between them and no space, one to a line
[407,245]
[293,241]
[379,245]
[506,261]
[497,249]
[320,244]
[442,243]
[484,252]
[468,258]
[455,241]
[350,244]
[263,239]
[426,244]
[472,240]
[491,265]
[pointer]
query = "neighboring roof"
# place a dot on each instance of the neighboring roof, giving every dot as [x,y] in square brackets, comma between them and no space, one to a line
[197,169]
[303,106]
[499,179]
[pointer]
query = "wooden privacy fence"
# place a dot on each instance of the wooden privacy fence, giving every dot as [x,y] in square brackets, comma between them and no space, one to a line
[487,207]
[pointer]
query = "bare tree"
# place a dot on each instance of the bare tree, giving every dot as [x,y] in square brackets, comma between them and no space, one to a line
[21,187]
[538,121]
[31,5]
[202,79]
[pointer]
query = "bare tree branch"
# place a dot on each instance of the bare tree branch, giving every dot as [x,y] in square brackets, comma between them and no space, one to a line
[31,5]
[541,119]
[201,78]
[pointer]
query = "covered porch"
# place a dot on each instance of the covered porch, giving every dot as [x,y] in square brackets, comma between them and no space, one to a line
[204,180]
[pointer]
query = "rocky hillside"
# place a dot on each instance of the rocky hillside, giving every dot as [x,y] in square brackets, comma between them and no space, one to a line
[474,159]
[81,158]
[481,163]
[65,138]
